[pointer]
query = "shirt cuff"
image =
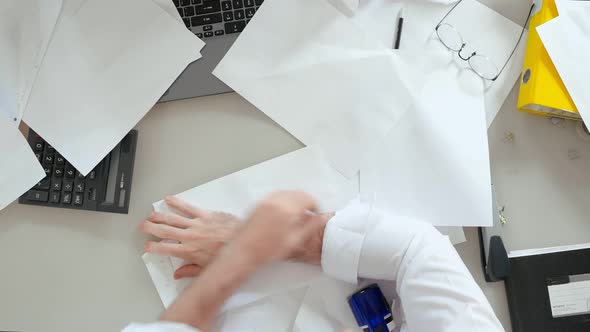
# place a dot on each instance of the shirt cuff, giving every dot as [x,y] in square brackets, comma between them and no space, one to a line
[159,327]
[343,242]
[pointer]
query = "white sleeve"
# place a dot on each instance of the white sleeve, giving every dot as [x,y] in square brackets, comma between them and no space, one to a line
[159,327]
[436,291]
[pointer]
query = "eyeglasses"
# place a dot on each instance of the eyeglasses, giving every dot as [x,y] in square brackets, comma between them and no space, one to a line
[480,64]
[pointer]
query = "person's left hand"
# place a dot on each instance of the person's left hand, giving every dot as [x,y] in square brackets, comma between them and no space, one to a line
[199,236]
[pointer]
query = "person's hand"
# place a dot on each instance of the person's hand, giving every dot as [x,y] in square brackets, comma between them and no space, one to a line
[279,226]
[202,234]
[197,237]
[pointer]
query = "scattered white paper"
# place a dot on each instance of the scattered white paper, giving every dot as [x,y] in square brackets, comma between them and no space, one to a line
[19,169]
[306,169]
[434,165]
[472,19]
[326,81]
[100,77]
[26,27]
[567,40]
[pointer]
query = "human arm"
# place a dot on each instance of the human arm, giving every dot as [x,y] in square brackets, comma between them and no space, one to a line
[436,291]
[276,228]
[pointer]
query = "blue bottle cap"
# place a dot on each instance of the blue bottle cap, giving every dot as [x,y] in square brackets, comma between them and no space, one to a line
[371,310]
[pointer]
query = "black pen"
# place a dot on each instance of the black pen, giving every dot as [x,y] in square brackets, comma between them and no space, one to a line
[400,27]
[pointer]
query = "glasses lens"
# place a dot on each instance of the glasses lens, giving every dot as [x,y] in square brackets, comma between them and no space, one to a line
[449,37]
[484,67]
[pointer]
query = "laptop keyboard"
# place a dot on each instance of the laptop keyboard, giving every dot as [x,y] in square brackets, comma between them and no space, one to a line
[210,18]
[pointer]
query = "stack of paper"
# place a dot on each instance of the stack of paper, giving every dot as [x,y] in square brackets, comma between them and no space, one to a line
[100,76]
[567,40]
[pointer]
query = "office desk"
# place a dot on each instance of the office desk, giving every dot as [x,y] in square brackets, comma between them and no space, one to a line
[67,270]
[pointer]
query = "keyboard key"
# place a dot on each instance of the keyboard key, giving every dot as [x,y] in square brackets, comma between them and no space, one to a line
[92,194]
[79,176]
[39,156]
[199,35]
[79,187]
[238,4]
[67,198]
[228,16]
[48,159]
[70,172]
[92,175]
[58,172]
[185,2]
[47,170]
[68,186]
[187,22]
[226,5]
[219,32]
[258,2]
[43,184]
[59,160]
[207,28]
[249,3]
[197,2]
[208,34]
[38,146]
[235,27]
[56,184]
[239,14]
[205,19]
[176,3]
[78,199]
[49,149]
[250,12]
[54,197]
[189,11]
[208,7]
[37,196]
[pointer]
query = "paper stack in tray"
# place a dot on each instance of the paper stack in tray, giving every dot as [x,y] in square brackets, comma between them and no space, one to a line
[82,74]
[411,124]
[567,40]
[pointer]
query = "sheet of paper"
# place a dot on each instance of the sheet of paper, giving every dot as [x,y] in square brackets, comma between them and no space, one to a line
[326,81]
[456,234]
[471,18]
[169,7]
[567,40]
[19,168]
[305,169]
[101,76]
[26,27]
[434,165]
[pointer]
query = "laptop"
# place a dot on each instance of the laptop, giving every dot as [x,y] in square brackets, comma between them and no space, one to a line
[218,23]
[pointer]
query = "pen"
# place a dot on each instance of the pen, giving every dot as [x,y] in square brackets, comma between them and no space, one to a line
[400,26]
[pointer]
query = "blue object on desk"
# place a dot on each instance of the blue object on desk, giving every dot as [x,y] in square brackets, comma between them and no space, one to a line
[371,310]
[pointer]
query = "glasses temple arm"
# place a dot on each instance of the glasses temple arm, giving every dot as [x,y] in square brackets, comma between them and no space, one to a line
[517,43]
[447,14]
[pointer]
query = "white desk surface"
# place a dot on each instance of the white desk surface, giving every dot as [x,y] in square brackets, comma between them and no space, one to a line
[67,270]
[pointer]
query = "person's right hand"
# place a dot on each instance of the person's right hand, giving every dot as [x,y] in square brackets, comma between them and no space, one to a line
[278,227]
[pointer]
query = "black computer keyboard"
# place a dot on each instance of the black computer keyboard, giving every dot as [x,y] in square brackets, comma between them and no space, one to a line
[106,188]
[209,18]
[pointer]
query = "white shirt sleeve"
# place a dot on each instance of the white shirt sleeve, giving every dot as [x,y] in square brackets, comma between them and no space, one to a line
[159,327]
[435,289]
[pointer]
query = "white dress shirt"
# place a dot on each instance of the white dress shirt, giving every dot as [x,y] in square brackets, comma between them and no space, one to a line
[436,291]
